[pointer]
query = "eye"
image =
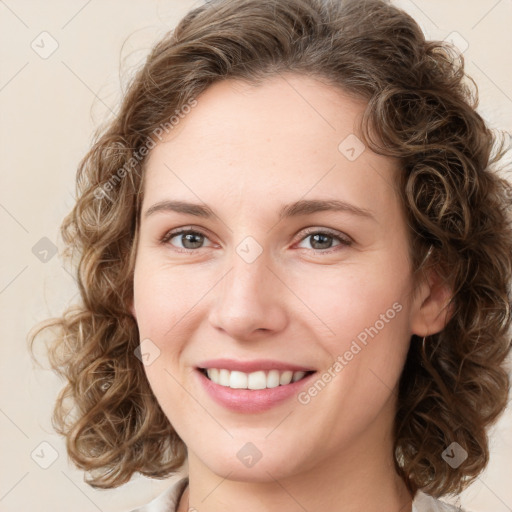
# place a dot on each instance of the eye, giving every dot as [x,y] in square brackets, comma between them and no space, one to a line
[189,238]
[321,240]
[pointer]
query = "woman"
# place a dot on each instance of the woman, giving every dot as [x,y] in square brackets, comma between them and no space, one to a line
[294,260]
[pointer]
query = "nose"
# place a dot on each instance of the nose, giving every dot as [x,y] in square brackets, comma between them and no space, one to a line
[250,301]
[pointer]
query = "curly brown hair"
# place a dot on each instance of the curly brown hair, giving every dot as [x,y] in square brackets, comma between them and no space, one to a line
[421,109]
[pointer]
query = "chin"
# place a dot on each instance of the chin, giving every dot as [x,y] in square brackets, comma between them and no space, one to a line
[265,469]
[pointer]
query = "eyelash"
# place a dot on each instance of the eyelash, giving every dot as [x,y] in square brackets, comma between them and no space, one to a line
[343,239]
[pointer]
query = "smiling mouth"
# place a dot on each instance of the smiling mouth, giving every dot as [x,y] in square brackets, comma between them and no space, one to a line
[261,379]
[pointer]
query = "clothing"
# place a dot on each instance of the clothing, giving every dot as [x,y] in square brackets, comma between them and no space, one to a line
[168,501]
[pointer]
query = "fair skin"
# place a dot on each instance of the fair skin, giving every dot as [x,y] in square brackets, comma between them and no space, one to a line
[245,151]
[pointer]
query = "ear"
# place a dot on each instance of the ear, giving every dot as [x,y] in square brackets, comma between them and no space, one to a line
[432,309]
[131,307]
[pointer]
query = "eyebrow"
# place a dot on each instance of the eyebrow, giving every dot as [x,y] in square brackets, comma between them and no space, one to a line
[298,208]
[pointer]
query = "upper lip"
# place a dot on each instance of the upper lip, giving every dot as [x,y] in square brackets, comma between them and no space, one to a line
[252,366]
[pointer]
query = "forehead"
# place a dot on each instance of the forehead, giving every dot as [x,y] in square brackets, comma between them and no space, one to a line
[289,136]
[286,106]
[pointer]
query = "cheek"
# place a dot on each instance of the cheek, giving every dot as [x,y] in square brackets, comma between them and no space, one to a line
[337,303]
[365,331]
[344,303]
[165,317]
[161,308]
[162,297]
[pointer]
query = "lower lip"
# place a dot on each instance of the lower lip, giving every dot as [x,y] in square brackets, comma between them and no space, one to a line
[251,400]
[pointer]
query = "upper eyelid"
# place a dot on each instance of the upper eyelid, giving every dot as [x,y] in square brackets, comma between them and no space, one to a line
[329,231]
[183,230]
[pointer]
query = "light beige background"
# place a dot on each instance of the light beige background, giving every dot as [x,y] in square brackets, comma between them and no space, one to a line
[49,109]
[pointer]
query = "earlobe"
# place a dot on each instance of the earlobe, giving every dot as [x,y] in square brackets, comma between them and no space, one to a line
[131,307]
[433,306]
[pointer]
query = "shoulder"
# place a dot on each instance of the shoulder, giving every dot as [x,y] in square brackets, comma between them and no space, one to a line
[425,503]
[167,501]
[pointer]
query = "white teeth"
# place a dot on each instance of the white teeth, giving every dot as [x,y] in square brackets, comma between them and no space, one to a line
[273,379]
[214,372]
[255,380]
[285,378]
[223,378]
[297,376]
[238,380]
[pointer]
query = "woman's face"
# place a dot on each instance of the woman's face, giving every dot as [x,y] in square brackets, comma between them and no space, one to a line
[298,260]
